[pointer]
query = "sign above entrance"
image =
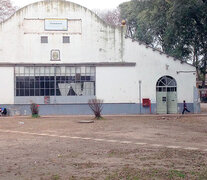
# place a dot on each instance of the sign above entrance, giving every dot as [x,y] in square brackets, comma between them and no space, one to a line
[56,24]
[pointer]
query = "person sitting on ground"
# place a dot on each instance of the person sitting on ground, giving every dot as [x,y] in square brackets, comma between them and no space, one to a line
[185,107]
[3,111]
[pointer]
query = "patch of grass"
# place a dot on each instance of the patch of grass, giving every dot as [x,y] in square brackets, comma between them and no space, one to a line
[125,174]
[203,175]
[35,115]
[72,178]
[55,177]
[176,173]
[84,165]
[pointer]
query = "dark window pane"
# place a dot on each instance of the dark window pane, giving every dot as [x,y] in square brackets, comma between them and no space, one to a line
[31,92]
[42,92]
[37,92]
[26,92]
[42,85]
[83,78]
[31,83]
[52,78]
[18,85]
[52,92]
[52,84]
[57,92]
[22,92]
[17,92]
[27,84]
[26,78]
[22,84]
[62,78]
[47,85]
[88,78]
[47,92]
[37,79]
[37,84]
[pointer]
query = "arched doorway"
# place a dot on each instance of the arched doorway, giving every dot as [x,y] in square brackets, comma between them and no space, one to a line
[166,95]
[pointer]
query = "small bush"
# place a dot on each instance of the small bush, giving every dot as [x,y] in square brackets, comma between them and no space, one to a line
[96,106]
[35,110]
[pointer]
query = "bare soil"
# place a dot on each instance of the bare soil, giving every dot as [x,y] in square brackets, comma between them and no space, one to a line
[204,108]
[53,148]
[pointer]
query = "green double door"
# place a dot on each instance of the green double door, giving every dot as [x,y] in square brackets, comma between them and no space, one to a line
[166,102]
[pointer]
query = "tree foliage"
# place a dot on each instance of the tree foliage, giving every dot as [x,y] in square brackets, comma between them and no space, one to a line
[178,27]
[6,9]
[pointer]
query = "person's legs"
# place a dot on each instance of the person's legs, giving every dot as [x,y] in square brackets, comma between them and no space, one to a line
[187,110]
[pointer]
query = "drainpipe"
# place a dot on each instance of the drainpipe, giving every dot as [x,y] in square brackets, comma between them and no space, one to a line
[140,96]
[55,84]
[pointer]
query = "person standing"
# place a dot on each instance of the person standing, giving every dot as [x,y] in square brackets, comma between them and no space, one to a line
[185,107]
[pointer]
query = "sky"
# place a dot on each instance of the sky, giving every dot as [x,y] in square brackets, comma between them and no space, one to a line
[90,4]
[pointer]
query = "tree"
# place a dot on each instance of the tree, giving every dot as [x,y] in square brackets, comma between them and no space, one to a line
[6,9]
[111,17]
[179,27]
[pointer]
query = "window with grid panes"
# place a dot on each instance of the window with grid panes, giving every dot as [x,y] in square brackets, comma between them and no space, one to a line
[55,81]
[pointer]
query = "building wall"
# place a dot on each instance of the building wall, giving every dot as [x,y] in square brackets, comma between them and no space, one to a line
[116,84]
[151,65]
[91,40]
[7,85]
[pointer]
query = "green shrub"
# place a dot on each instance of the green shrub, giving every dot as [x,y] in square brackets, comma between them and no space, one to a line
[35,110]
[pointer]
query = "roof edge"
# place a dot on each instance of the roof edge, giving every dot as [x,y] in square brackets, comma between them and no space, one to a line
[157,50]
[69,2]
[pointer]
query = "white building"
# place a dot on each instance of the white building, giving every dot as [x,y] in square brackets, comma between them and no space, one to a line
[59,54]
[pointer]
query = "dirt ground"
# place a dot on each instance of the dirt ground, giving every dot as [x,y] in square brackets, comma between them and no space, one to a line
[114,148]
[204,108]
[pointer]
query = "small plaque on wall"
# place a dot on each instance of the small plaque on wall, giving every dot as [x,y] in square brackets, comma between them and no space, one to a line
[55,55]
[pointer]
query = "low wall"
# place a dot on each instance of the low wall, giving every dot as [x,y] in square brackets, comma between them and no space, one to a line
[83,109]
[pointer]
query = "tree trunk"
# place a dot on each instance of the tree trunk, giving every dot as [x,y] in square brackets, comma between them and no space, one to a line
[204,72]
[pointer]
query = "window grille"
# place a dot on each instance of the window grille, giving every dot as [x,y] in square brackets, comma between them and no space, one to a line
[54,81]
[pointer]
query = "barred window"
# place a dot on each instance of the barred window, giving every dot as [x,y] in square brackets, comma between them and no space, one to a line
[66,39]
[44,39]
[54,81]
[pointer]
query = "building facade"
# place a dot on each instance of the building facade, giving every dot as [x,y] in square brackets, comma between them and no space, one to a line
[59,54]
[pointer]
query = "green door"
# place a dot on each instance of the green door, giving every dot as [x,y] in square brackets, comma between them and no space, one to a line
[162,102]
[166,95]
[172,102]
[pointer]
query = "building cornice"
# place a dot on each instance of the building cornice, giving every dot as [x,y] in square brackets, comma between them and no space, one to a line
[98,64]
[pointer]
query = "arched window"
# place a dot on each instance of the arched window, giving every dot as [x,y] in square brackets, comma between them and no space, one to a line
[166,84]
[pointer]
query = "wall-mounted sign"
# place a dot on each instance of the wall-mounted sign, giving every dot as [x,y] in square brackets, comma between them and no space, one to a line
[56,24]
[55,55]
